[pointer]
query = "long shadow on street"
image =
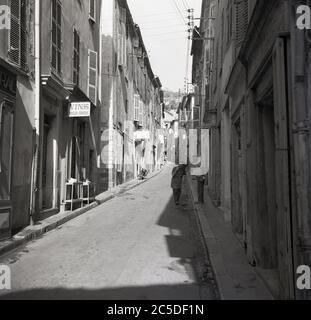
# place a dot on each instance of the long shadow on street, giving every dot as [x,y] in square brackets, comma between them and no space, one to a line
[184,248]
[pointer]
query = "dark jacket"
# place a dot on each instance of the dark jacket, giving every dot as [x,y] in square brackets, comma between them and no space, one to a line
[177,176]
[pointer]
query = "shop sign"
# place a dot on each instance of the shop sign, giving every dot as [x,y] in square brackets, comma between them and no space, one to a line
[80,110]
[142,135]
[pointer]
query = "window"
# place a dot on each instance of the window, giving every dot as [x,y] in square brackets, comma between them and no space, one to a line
[56,35]
[136,107]
[76,57]
[92,78]
[92,13]
[122,45]
[141,112]
[18,32]
[222,35]
[229,22]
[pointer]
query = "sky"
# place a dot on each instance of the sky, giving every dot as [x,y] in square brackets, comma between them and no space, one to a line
[164,30]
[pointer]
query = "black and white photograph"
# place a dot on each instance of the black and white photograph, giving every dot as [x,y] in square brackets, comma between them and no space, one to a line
[155,151]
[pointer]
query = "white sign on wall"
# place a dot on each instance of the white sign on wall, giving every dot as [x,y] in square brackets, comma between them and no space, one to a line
[80,110]
[142,135]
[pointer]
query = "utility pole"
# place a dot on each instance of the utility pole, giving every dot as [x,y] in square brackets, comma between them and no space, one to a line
[190,24]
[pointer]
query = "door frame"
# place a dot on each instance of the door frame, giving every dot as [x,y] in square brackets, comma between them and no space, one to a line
[6,206]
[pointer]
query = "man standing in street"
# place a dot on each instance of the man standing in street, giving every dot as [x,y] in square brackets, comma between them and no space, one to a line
[177,178]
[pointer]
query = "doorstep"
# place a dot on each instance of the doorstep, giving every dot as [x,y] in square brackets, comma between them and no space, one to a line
[235,277]
[31,233]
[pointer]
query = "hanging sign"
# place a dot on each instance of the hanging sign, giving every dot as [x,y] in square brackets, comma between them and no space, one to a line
[142,135]
[80,110]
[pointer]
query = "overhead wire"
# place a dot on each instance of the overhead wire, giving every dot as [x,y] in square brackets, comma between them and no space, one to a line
[161,20]
[163,34]
[156,14]
[179,11]
[185,4]
[163,27]
[188,45]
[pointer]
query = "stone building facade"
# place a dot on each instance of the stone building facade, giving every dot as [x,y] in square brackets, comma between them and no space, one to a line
[17,140]
[79,112]
[259,142]
[69,142]
[131,100]
[49,54]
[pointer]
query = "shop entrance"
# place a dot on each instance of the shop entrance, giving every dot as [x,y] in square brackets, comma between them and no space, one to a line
[48,162]
[267,184]
[238,219]
[6,146]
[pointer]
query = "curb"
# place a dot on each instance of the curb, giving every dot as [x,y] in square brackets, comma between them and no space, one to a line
[34,232]
[210,274]
[246,285]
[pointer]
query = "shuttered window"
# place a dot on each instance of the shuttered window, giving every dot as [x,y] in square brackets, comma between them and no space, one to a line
[122,46]
[56,36]
[18,34]
[136,107]
[92,13]
[229,22]
[241,11]
[92,77]
[141,112]
[76,57]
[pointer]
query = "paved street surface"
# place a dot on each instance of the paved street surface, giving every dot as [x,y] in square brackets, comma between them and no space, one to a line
[137,246]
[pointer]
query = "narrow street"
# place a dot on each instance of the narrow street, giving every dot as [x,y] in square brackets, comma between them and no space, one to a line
[137,246]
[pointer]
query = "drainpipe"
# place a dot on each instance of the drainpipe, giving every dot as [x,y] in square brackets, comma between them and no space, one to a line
[35,162]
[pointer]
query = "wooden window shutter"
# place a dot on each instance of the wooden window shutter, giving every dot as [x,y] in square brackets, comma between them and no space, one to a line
[92,78]
[15,32]
[54,35]
[24,33]
[141,112]
[76,58]
[136,107]
[59,37]
[241,11]
[123,15]
[56,59]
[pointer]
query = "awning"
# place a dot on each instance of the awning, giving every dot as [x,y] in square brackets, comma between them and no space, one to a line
[77,95]
[54,87]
